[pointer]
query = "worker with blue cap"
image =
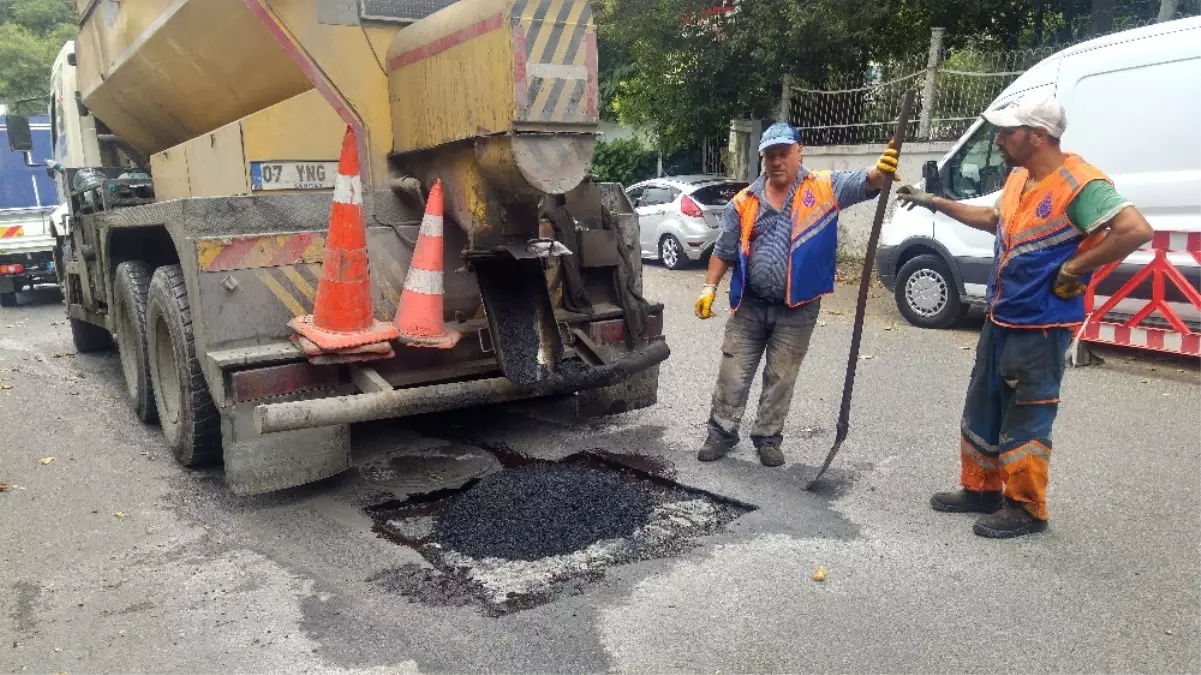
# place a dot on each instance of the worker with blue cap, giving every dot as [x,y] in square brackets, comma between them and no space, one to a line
[780,236]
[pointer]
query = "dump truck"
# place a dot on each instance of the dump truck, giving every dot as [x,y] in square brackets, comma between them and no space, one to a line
[198,145]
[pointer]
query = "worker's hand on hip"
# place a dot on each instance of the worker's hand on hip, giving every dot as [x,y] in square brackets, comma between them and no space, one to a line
[1068,285]
[704,304]
[887,164]
[910,196]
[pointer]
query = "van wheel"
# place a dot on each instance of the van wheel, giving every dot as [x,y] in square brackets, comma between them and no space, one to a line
[129,316]
[185,408]
[926,294]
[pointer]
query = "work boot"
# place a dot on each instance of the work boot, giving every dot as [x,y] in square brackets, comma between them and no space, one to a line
[966,501]
[770,454]
[713,450]
[1013,520]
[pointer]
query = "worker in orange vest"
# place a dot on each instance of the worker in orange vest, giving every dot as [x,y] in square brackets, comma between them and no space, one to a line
[1058,219]
[780,235]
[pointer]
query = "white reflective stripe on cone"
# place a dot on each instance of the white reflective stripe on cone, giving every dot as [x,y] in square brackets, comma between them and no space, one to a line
[431,226]
[348,190]
[423,281]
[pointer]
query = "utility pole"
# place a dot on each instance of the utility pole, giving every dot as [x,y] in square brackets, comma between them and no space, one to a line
[785,100]
[1167,10]
[923,123]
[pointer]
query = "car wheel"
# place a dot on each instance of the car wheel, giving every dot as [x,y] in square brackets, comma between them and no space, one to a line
[8,299]
[671,252]
[926,294]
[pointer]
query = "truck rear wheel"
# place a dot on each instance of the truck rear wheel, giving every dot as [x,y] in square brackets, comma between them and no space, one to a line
[89,338]
[129,316]
[185,408]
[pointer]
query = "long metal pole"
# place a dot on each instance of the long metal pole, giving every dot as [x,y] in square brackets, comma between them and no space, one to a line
[844,414]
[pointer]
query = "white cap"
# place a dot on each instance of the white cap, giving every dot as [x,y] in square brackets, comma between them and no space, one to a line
[1032,111]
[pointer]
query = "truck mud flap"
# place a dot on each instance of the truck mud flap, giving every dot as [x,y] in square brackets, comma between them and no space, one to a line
[573,376]
[256,463]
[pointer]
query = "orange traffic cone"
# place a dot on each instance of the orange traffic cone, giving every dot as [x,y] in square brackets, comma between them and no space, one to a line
[419,313]
[342,318]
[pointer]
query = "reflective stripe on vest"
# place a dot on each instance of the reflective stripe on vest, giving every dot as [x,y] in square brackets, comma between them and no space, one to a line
[1035,237]
[814,241]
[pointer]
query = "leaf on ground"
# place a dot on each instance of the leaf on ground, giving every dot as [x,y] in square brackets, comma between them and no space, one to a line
[820,574]
[867,357]
[822,323]
[46,460]
[966,347]
[6,386]
[3,487]
[120,514]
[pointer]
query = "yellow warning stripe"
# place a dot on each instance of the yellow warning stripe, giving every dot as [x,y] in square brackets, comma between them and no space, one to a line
[237,253]
[280,292]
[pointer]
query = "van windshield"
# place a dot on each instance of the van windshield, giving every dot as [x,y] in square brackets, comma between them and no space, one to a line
[977,168]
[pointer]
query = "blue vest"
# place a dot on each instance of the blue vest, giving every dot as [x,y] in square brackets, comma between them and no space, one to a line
[813,253]
[1034,238]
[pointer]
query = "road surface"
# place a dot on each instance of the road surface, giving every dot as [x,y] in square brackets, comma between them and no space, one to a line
[115,559]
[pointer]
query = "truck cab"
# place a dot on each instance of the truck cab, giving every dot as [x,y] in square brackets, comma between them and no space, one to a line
[27,199]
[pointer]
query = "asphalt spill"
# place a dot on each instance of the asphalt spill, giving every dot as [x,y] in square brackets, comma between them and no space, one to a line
[538,530]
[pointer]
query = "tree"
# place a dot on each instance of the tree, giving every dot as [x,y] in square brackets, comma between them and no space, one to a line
[31,34]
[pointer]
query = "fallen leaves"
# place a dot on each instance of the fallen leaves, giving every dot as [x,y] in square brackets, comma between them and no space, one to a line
[3,487]
[46,460]
[6,386]
[820,574]
[120,515]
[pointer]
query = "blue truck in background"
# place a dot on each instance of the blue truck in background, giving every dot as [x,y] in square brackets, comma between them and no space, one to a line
[28,198]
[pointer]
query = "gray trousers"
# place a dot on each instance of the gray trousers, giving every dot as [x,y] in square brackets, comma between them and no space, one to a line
[783,333]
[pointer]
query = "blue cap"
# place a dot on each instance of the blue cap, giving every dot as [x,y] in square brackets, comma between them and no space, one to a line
[780,133]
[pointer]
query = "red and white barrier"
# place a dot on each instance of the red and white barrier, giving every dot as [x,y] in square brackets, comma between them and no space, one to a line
[1178,339]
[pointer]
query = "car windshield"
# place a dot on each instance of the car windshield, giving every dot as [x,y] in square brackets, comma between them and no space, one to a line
[717,194]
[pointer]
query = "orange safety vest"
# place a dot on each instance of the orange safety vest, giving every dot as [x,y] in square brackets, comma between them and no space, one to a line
[814,241]
[1034,238]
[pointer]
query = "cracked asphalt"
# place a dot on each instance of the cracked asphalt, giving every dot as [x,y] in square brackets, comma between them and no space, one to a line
[114,559]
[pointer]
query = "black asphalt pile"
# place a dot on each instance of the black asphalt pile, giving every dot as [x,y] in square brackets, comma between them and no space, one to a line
[543,510]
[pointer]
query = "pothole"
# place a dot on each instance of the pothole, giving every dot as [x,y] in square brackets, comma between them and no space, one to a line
[523,536]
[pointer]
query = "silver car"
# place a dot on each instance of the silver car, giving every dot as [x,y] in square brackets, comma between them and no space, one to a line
[680,216]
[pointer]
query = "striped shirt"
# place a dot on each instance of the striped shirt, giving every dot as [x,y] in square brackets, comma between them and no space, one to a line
[767,273]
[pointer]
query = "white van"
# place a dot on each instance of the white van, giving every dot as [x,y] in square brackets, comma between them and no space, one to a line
[1133,103]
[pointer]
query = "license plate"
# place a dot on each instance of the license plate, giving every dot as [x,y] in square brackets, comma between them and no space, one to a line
[292,175]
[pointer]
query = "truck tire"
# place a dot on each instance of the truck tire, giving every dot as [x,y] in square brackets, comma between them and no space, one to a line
[926,294]
[129,318]
[8,299]
[185,409]
[89,338]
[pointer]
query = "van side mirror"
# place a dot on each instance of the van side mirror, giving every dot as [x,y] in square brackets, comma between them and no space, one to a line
[20,138]
[931,178]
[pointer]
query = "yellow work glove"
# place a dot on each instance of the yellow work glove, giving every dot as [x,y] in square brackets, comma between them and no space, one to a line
[1068,285]
[704,304]
[887,164]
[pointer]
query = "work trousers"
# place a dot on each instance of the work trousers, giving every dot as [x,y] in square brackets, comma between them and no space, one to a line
[783,333]
[1012,399]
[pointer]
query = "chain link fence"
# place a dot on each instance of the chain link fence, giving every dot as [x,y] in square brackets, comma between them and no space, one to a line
[953,85]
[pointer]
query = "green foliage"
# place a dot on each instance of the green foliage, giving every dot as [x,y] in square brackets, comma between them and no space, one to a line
[684,80]
[31,34]
[624,161]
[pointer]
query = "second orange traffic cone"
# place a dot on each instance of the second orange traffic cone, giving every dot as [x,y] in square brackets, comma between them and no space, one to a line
[343,317]
[420,311]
